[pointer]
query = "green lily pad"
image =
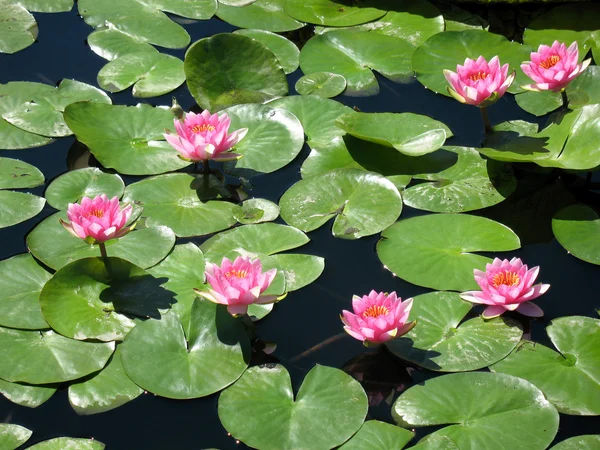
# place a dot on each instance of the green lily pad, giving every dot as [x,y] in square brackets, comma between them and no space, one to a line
[353,54]
[104,391]
[256,210]
[56,247]
[26,395]
[228,69]
[570,379]
[42,357]
[128,139]
[411,134]
[47,6]
[362,203]
[514,415]
[375,435]
[110,44]
[285,50]
[21,281]
[150,73]
[260,409]
[539,103]
[298,270]
[434,442]
[18,29]
[238,3]
[171,200]
[458,19]
[472,183]
[13,436]
[158,355]
[72,186]
[342,13]
[63,443]
[415,250]
[577,229]
[321,84]
[17,207]
[262,14]
[275,131]
[15,174]
[446,50]
[441,341]
[585,442]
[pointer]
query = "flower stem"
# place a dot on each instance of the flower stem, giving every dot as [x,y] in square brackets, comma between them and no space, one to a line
[205,168]
[486,120]
[103,253]
[565,100]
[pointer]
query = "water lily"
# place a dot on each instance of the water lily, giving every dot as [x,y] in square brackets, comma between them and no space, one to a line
[507,286]
[201,137]
[238,284]
[553,68]
[378,317]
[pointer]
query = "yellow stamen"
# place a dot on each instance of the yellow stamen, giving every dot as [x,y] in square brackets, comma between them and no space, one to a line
[375,311]
[236,273]
[550,62]
[478,76]
[505,278]
[97,212]
[202,128]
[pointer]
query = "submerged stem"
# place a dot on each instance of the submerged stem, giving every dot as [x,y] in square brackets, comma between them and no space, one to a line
[486,121]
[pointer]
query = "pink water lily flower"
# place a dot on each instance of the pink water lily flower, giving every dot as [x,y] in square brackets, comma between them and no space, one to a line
[479,83]
[97,220]
[553,68]
[378,317]
[507,286]
[201,137]
[238,284]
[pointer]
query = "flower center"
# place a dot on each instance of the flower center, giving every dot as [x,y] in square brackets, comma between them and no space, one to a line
[96,212]
[505,278]
[375,311]
[236,273]
[202,128]
[550,62]
[478,76]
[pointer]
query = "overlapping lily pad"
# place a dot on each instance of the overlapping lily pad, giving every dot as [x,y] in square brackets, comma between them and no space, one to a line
[256,210]
[321,84]
[514,415]
[260,409]
[570,379]
[585,442]
[341,13]
[435,250]
[110,44]
[13,436]
[577,229]
[158,356]
[362,203]
[128,139]
[285,50]
[266,15]
[443,342]
[26,395]
[15,174]
[18,29]
[228,69]
[54,246]
[47,6]
[376,435]
[63,443]
[16,207]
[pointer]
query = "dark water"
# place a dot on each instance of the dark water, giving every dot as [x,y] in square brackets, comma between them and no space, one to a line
[306,326]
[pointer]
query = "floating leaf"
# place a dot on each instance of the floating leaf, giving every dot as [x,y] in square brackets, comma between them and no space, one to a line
[17,207]
[333,13]
[262,14]
[321,84]
[298,270]
[285,50]
[13,436]
[514,415]
[375,435]
[15,174]
[577,229]
[110,44]
[47,6]
[539,103]
[64,443]
[26,395]
[18,28]
[260,410]
[238,3]
[256,210]
[585,442]
[441,341]
[417,251]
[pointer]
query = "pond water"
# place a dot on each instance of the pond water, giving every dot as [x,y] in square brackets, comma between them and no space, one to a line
[305,326]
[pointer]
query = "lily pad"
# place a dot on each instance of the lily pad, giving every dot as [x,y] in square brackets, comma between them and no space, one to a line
[570,379]
[104,391]
[21,281]
[158,355]
[514,415]
[42,357]
[274,139]
[415,250]
[110,44]
[376,435]
[321,84]
[54,246]
[443,342]
[472,183]
[17,207]
[298,270]
[577,229]
[228,69]
[262,14]
[256,210]
[238,3]
[410,134]
[18,29]
[72,186]
[128,139]
[13,436]
[585,442]
[539,103]
[150,73]
[353,54]
[15,174]
[63,443]
[24,394]
[47,6]
[362,203]
[285,50]
[172,201]
[260,409]
[342,13]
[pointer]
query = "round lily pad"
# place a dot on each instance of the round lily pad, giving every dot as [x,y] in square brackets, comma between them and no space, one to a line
[256,210]
[54,246]
[228,69]
[260,409]
[47,6]
[298,270]
[321,84]
[158,355]
[514,415]
[333,13]
[577,228]
[128,139]
[72,186]
[25,394]
[441,341]
[172,201]
[18,28]
[15,174]
[110,44]
[17,207]
[13,436]
[417,251]
[376,435]
[285,50]
[41,357]
[570,379]
[21,281]
[262,14]
[362,203]
[539,103]
[63,443]
[585,89]
[585,442]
